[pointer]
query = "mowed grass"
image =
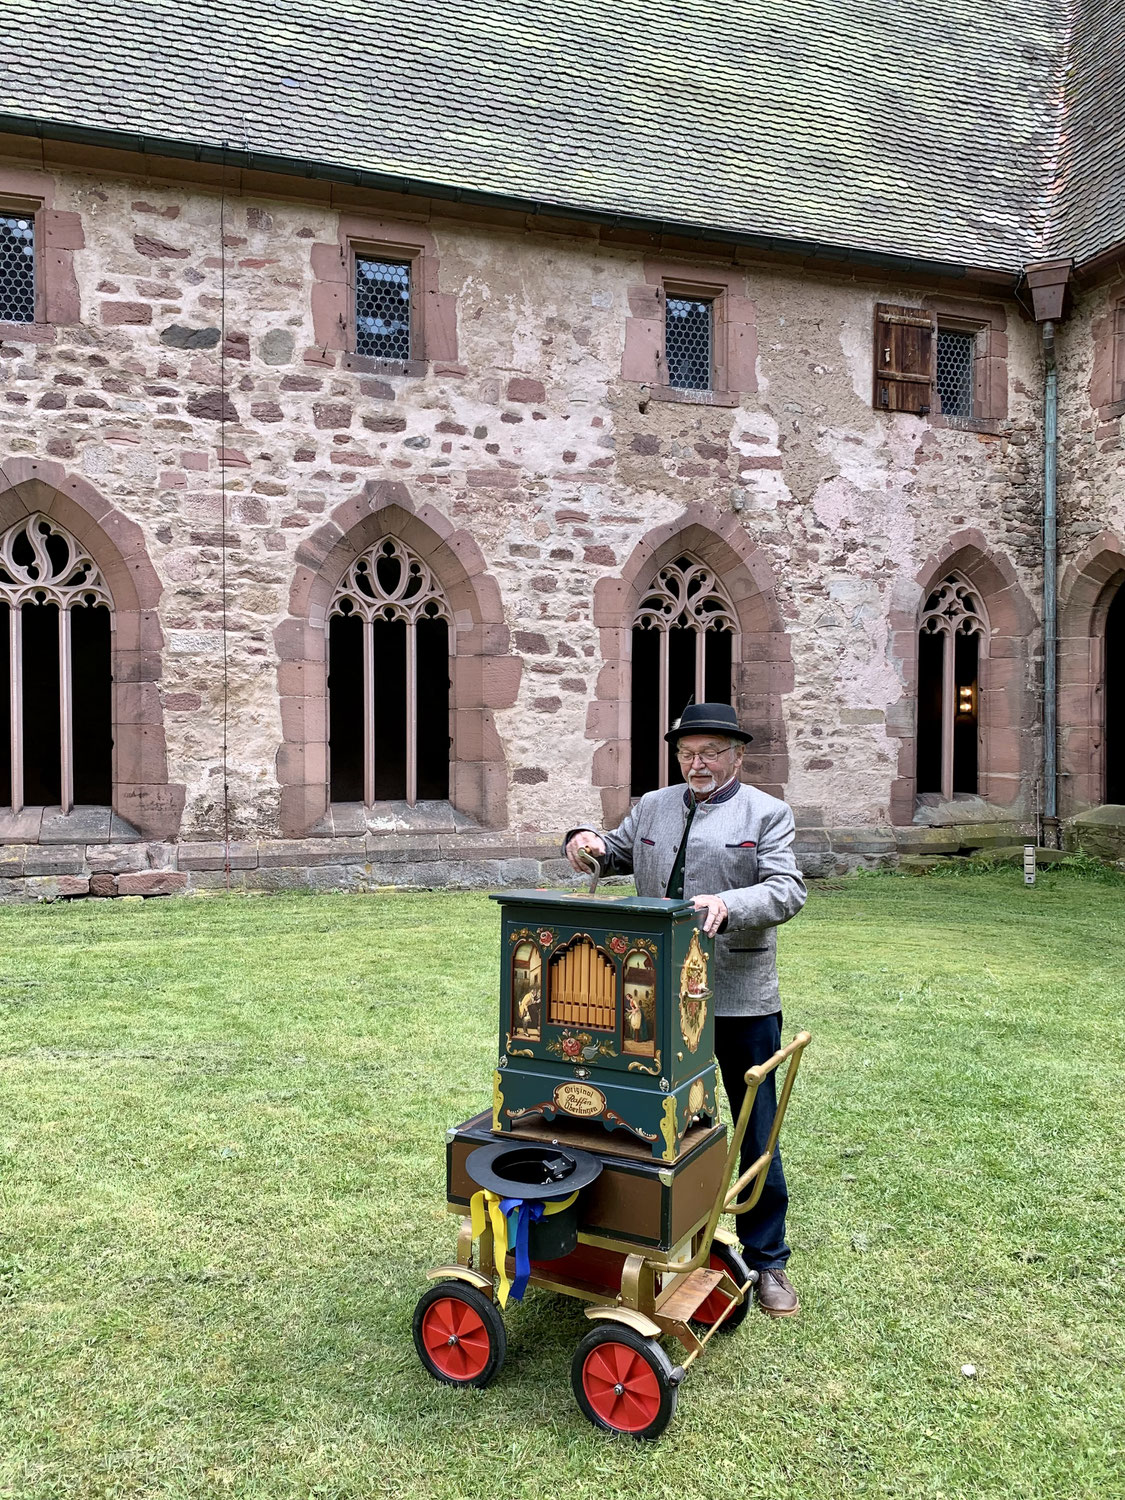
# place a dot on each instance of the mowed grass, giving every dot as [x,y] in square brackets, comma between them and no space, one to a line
[222,1129]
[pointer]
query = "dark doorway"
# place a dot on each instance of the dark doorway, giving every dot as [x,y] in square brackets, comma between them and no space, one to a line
[1114,696]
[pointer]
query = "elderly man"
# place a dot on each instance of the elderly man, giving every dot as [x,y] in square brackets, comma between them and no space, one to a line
[726,846]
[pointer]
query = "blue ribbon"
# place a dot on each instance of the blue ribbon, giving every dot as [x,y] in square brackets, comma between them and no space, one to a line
[526,1215]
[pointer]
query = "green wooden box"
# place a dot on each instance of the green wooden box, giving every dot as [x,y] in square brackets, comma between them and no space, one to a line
[606,1016]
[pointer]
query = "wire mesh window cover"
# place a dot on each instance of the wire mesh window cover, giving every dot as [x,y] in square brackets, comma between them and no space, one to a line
[952,642]
[955,353]
[382,308]
[388,681]
[17,268]
[684,639]
[56,746]
[687,342]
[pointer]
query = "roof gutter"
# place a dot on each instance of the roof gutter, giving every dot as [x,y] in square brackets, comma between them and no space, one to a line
[247,160]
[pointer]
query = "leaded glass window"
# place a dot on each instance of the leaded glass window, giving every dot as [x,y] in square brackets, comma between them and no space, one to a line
[688,336]
[951,641]
[388,680]
[17,267]
[955,353]
[685,642]
[55,674]
[382,308]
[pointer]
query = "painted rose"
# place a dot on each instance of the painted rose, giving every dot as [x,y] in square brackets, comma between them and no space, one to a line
[546,937]
[618,944]
[571,1046]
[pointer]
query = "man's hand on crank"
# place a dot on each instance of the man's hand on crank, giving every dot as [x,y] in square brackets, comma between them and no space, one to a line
[716,912]
[585,839]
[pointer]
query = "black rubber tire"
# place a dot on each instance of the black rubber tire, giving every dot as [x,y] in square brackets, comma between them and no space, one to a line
[659,1387]
[728,1258]
[486,1324]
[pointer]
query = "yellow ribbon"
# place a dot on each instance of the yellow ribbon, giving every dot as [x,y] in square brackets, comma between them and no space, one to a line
[483,1202]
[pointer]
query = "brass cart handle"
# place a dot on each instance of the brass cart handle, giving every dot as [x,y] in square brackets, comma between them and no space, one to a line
[727,1196]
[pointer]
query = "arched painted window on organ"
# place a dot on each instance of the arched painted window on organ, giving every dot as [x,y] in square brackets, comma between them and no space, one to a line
[56,747]
[388,681]
[952,644]
[685,646]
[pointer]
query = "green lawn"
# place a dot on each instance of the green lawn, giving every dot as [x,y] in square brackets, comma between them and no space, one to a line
[222,1141]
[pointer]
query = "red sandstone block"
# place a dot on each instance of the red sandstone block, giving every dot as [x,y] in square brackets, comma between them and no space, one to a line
[151,883]
[195,460]
[172,479]
[492,478]
[103,885]
[118,314]
[523,388]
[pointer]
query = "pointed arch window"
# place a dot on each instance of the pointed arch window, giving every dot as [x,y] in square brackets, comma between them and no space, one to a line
[55,636]
[388,680]
[952,644]
[685,645]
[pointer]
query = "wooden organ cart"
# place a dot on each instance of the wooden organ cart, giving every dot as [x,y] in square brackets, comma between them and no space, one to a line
[602,1169]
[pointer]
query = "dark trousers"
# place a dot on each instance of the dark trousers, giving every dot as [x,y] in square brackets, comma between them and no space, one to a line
[742,1042]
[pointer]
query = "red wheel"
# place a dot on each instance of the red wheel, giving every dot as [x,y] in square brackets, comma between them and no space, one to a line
[459,1334]
[724,1258]
[624,1382]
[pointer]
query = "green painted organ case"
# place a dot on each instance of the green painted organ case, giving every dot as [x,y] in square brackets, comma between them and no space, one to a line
[606,1017]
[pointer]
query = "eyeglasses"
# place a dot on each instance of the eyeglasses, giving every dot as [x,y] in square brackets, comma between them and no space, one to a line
[708,756]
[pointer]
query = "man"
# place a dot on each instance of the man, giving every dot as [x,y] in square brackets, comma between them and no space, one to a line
[727,847]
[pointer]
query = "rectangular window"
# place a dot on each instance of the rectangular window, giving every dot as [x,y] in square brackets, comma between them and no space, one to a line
[17,267]
[382,308]
[688,339]
[955,355]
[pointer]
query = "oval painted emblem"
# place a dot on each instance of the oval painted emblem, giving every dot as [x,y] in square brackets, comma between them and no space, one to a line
[579,1099]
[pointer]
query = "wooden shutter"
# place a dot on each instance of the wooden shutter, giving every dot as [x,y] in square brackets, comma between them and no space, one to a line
[905,345]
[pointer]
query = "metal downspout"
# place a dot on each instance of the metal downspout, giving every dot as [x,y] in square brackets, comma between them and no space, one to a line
[1050,589]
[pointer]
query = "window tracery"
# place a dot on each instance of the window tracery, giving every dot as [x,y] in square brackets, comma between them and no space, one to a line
[685,642]
[389,640]
[952,641]
[57,699]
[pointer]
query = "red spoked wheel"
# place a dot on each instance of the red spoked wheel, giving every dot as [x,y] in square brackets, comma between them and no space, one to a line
[624,1382]
[459,1334]
[725,1258]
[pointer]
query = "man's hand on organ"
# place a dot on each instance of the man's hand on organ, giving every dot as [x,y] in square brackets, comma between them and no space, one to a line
[716,912]
[585,839]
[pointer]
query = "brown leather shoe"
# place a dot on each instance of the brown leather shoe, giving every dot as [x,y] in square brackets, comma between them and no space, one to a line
[776,1295]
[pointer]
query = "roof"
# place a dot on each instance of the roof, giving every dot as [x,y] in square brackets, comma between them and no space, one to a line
[929,130]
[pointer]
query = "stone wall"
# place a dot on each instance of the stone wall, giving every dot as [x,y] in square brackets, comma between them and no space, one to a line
[202,381]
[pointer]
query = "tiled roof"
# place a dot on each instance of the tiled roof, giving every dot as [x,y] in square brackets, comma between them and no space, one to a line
[926,128]
[1089,213]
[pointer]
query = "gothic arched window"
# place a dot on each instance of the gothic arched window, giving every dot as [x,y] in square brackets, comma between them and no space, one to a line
[388,680]
[952,641]
[685,641]
[55,682]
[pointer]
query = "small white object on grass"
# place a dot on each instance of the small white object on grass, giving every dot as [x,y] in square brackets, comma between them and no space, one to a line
[969,1371]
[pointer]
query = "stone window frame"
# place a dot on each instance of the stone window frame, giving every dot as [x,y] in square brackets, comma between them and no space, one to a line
[433,313]
[761,675]
[145,802]
[734,340]
[58,235]
[1088,588]
[988,323]
[485,674]
[971,619]
[1008,711]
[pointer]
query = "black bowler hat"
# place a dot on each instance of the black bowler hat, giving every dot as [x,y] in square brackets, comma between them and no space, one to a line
[708,718]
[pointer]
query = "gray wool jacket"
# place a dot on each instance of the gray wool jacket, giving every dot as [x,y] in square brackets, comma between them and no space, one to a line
[740,849]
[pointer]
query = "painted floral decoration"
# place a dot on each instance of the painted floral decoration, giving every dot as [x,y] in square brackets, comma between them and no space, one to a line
[546,937]
[618,944]
[581,1046]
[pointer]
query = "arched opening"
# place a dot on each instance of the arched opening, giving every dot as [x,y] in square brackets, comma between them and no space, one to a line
[685,642]
[1114,699]
[952,642]
[413,719]
[388,680]
[55,679]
